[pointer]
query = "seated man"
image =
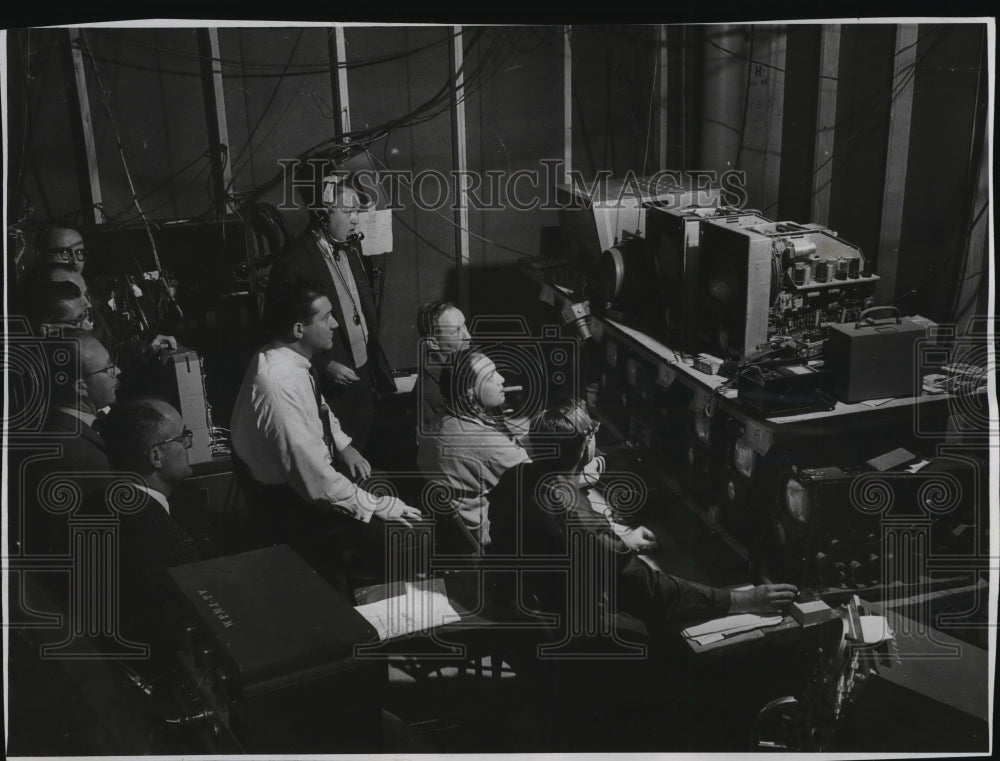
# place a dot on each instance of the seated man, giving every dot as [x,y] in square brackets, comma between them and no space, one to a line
[50,306]
[469,447]
[537,506]
[148,438]
[442,326]
[62,257]
[75,404]
[289,440]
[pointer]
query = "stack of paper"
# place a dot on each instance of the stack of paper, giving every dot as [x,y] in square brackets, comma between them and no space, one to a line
[423,605]
[720,628]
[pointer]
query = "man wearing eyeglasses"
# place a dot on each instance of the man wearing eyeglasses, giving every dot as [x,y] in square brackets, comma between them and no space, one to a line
[148,438]
[62,258]
[441,326]
[77,403]
[82,384]
[62,245]
[50,306]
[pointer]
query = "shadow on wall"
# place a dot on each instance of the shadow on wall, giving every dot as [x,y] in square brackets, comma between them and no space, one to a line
[502,291]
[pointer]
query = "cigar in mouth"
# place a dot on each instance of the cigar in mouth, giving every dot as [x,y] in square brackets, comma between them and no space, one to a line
[507,389]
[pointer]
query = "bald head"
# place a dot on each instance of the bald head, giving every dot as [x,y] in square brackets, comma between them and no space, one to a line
[147,436]
[100,373]
[92,376]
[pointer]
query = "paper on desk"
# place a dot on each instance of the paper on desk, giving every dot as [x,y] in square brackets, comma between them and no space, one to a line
[376,224]
[405,383]
[730,625]
[877,402]
[874,630]
[424,605]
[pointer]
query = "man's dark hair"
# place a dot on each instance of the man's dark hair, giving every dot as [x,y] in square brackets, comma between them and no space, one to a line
[129,431]
[564,424]
[428,316]
[45,269]
[40,299]
[291,302]
[41,237]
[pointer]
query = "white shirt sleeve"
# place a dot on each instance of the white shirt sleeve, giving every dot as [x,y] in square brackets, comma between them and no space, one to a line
[287,418]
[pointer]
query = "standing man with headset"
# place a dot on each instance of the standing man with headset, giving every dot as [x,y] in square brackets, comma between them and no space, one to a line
[329,251]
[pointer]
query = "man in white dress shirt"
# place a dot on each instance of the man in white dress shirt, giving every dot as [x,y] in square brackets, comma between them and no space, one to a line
[287,437]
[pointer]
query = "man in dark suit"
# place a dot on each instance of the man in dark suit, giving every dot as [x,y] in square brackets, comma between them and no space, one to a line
[78,395]
[148,438]
[77,406]
[329,252]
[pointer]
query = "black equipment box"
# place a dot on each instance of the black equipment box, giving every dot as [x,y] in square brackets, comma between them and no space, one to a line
[873,359]
[783,389]
[273,645]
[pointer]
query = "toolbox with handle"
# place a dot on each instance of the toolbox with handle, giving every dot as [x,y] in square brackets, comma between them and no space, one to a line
[874,358]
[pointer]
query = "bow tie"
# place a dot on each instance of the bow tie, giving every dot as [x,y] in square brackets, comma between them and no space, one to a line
[99,420]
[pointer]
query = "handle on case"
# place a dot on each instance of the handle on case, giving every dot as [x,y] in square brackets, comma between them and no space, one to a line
[865,316]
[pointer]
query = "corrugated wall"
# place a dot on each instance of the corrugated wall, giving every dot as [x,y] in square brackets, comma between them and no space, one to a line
[280,100]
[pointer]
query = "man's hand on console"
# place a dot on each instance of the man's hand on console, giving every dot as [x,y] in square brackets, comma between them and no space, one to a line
[403,513]
[640,539]
[163,343]
[353,462]
[340,374]
[766,598]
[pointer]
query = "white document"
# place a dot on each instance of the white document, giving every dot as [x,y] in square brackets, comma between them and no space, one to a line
[727,625]
[376,224]
[424,605]
[875,630]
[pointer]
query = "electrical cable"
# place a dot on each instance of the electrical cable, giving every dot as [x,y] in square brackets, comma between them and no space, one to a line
[652,93]
[300,69]
[455,224]
[746,101]
[360,140]
[121,148]
[904,79]
[267,106]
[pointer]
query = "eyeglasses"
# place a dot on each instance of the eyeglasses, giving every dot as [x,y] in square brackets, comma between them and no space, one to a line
[111,369]
[66,255]
[186,438]
[87,315]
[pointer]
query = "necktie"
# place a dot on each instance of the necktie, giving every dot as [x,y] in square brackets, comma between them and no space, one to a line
[321,408]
